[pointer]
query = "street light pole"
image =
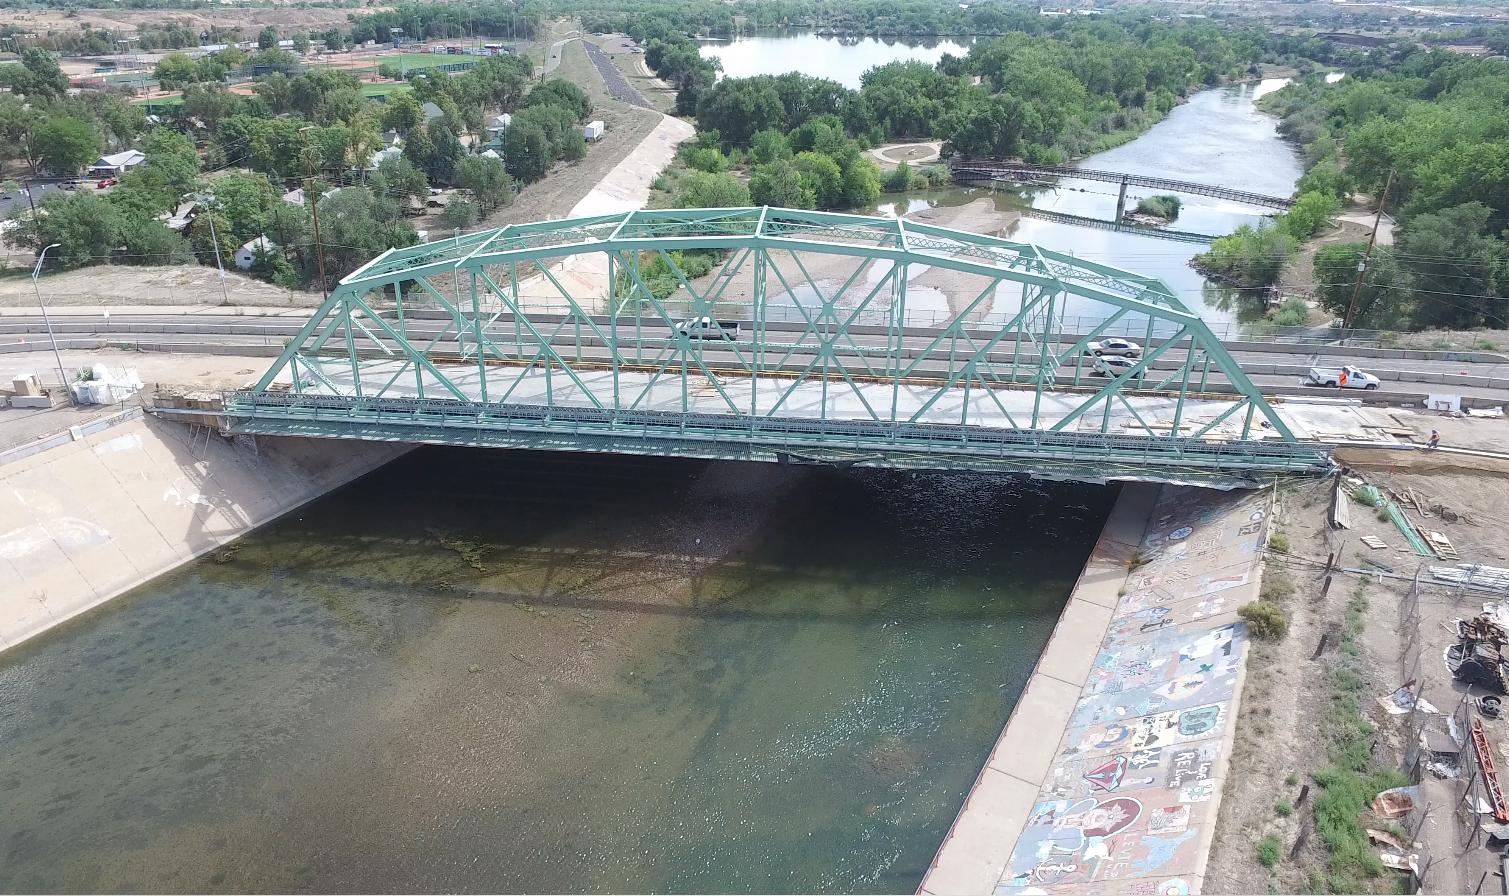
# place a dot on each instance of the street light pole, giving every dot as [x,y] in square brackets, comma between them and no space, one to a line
[36,272]
[208,201]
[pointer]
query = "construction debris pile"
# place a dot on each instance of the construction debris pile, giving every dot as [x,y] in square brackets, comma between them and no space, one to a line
[1478,656]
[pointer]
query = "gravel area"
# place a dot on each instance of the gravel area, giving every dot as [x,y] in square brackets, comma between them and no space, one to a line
[618,86]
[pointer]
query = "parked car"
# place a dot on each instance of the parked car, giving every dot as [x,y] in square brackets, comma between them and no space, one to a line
[1347,377]
[1115,365]
[1123,347]
[707,328]
[107,182]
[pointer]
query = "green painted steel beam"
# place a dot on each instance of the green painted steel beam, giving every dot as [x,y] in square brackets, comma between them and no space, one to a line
[473,358]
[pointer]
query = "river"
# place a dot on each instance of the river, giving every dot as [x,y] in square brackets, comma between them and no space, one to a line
[494,671]
[1217,137]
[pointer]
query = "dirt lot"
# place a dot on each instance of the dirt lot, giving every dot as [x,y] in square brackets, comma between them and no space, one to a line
[128,285]
[283,16]
[1295,705]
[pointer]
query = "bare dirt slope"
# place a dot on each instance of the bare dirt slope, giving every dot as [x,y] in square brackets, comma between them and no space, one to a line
[186,284]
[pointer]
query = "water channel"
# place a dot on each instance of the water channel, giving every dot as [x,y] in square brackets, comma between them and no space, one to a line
[504,671]
[513,672]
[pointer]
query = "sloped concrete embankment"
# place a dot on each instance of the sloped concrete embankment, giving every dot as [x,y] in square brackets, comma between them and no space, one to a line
[1108,776]
[85,521]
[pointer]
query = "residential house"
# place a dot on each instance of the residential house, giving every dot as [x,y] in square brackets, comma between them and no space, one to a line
[247,255]
[117,164]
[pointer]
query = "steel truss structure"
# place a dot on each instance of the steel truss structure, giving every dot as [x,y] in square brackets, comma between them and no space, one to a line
[500,338]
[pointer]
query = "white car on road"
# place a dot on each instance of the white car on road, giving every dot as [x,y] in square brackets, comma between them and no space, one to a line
[1116,366]
[1124,348]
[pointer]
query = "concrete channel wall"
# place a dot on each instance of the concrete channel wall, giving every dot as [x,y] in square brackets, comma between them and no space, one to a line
[1108,775]
[104,510]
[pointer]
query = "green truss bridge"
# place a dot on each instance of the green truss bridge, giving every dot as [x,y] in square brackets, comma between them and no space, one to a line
[835,339]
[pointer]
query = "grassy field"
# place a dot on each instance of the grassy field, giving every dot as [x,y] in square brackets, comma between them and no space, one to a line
[422,60]
[381,89]
[159,101]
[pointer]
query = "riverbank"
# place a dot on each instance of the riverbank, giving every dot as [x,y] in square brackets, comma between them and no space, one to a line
[1085,786]
[119,504]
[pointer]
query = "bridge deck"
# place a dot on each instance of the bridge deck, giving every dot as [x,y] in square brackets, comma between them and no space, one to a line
[831,417]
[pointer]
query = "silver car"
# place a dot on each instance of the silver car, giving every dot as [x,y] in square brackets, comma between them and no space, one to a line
[1124,348]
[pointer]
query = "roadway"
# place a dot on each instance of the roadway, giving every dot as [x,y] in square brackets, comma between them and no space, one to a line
[1273,371]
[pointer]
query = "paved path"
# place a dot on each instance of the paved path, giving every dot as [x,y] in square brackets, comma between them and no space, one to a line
[934,151]
[1108,777]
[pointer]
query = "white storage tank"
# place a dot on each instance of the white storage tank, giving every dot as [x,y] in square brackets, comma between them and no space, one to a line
[594,130]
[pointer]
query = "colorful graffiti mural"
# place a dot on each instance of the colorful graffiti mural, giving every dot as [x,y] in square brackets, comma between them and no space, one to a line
[1136,776]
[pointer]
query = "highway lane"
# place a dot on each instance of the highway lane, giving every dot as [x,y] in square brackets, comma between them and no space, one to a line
[1269,369]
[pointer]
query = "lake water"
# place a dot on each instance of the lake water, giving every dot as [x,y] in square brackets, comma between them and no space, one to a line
[839,59]
[498,671]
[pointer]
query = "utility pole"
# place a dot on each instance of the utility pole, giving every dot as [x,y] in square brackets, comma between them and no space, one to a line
[1367,256]
[314,208]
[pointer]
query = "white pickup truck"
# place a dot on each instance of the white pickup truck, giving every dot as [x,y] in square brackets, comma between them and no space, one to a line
[1348,377]
[708,328]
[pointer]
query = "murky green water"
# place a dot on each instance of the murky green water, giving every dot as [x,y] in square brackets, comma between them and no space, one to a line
[493,671]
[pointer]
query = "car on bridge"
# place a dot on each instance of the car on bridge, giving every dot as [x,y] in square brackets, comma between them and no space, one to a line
[708,328]
[1124,348]
[1114,365]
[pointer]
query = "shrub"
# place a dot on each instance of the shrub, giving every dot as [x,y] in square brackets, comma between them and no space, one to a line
[1283,809]
[1277,586]
[1293,313]
[899,180]
[1266,621]
[1279,542]
[1268,850]
[1165,207]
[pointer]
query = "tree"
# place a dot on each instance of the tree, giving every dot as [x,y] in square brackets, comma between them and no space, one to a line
[353,230]
[1457,268]
[459,215]
[209,103]
[172,156]
[699,189]
[301,43]
[823,175]
[267,38]
[398,178]
[176,70]
[149,241]
[486,180]
[402,112]
[861,183]
[1250,256]
[333,38]
[1382,301]
[241,202]
[780,184]
[446,153]
[1309,213]
[769,145]
[526,151]
[66,145]
[558,92]
[900,180]
[38,75]
[83,224]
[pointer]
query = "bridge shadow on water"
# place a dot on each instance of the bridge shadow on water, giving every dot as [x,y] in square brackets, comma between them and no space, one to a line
[682,538]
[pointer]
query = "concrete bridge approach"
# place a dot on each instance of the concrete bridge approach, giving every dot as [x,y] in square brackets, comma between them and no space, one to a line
[569,335]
